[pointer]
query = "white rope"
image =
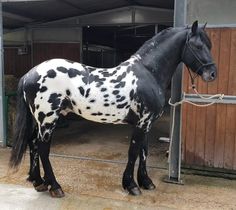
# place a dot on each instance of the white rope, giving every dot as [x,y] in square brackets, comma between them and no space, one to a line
[218,97]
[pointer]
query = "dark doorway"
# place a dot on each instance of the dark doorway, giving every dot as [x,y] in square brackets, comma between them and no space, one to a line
[107,46]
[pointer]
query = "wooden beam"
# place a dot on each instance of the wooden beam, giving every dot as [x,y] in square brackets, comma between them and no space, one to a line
[14,16]
[22,0]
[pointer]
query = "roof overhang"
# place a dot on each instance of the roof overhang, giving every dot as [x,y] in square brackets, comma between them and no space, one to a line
[28,13]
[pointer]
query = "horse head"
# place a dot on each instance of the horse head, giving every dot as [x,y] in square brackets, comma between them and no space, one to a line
[197,53]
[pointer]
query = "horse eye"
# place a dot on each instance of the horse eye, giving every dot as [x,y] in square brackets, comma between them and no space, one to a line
[199,47]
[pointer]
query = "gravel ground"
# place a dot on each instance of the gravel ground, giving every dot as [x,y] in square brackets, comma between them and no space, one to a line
[99,182]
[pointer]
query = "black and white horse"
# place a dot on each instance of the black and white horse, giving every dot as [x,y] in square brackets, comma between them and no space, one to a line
[133,92]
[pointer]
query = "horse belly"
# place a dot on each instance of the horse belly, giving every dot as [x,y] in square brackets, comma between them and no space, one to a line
[102,106]
[100,111]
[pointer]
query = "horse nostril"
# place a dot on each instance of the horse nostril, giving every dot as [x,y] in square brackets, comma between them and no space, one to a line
[213,74]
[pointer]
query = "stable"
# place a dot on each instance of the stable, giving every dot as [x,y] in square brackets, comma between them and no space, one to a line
[97,34]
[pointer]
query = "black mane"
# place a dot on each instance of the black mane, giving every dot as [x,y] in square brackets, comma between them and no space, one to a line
[165,34]
[156,40]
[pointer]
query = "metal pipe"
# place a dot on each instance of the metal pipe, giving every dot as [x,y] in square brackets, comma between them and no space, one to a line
[99,160]
[227,99]
[2,95]
[176,93]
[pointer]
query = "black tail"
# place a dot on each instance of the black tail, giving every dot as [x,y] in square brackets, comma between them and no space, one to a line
[23,128]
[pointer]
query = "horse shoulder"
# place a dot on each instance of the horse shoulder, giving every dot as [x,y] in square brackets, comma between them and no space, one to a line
[150,93]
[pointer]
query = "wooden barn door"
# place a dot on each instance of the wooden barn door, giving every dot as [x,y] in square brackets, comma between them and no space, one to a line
[209,134]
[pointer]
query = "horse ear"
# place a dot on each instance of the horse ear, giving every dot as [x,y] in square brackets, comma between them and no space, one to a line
[204,26]
[195,27]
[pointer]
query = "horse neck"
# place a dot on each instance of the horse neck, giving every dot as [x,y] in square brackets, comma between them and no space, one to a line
[163,58]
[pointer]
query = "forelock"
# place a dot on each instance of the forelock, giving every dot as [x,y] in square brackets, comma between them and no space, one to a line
[205,38]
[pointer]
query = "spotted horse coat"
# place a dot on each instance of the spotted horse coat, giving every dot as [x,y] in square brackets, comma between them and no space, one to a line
[59,86]
[133,92]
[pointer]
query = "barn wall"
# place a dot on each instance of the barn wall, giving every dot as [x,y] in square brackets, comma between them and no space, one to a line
[45,51]
[209,134]
[23,36]
[15,64]
[215,12]
[18,65]
[42,44]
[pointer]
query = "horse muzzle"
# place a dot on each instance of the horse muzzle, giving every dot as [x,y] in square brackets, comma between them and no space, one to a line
[209,74]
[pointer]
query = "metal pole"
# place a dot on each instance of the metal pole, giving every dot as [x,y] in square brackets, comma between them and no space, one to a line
[156,29]
[2,95]
[176,91]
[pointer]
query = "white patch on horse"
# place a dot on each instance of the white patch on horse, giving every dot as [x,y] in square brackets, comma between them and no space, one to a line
[144,156]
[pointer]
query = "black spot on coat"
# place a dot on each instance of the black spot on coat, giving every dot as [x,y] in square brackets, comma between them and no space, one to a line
[43,89]
[97,114]
[87,93]
[92,101]
[131,95]
[120,85]
[62,69]
[51,73]
[81,90]
[121,106]
[121,99]
[49,114]
[73,102]
[55,100]
[68,92]
[115,92]
[73,72]
[41,117]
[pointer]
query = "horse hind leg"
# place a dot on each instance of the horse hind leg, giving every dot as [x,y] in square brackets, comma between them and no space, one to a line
[144,180]
[44,150]
[34,172]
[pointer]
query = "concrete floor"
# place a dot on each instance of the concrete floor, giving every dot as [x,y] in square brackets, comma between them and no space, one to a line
[90,171]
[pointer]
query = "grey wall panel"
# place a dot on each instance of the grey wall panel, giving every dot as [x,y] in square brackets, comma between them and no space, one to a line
[215,12]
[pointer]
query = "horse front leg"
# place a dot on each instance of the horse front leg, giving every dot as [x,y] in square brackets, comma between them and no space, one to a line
[144,180]
[134,148]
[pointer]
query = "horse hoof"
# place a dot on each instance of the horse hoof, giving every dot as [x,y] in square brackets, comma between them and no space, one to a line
[134,191]
[57,193]
[29,179]
[149,186]
[41,188]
